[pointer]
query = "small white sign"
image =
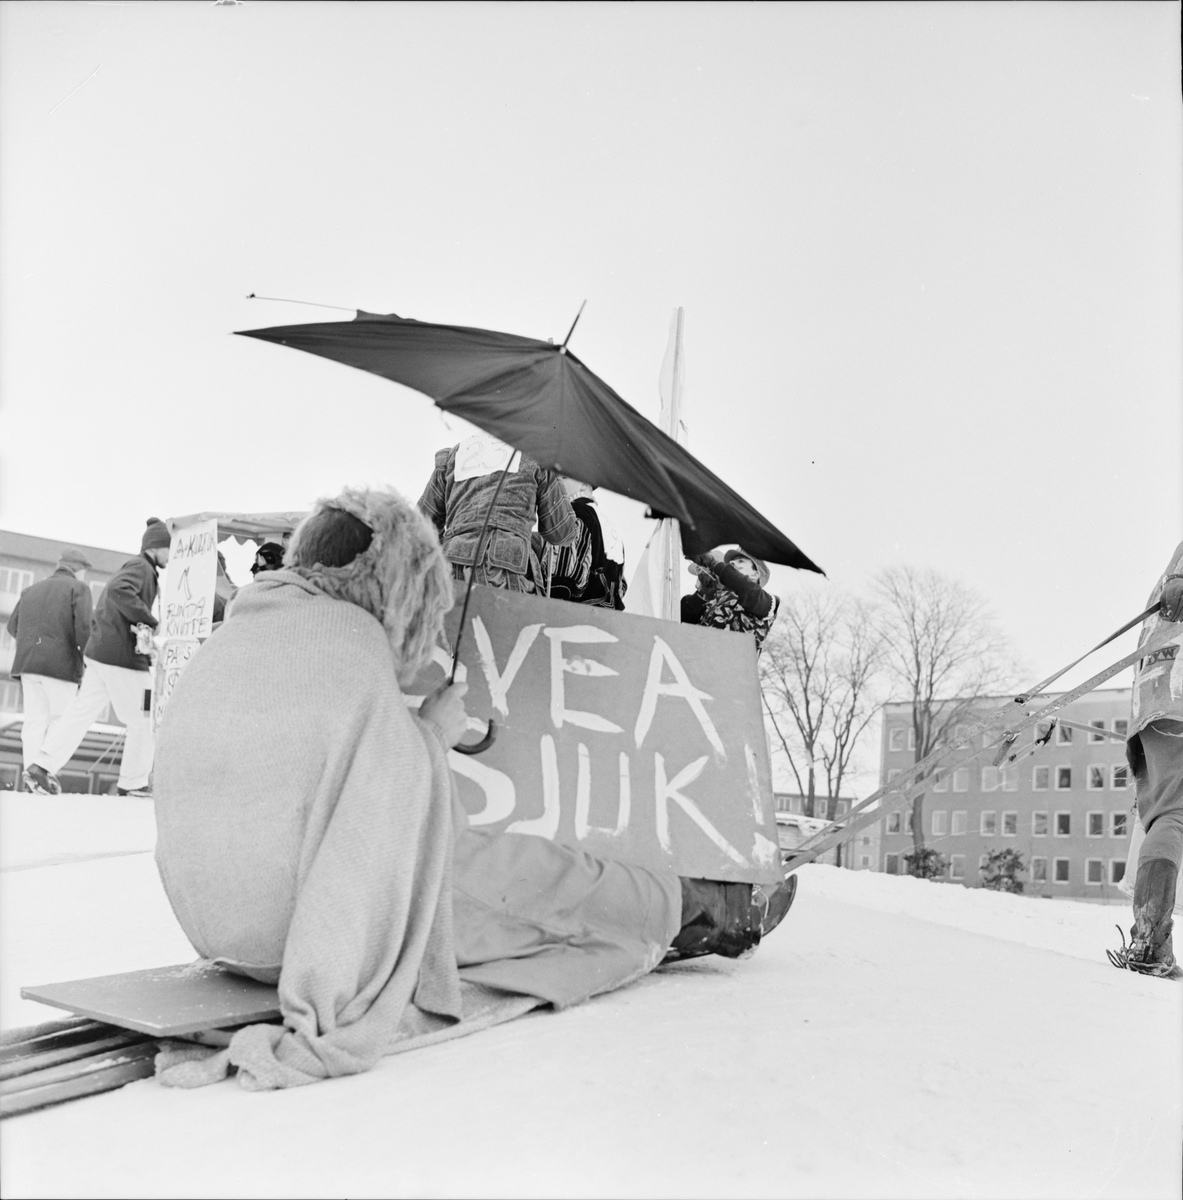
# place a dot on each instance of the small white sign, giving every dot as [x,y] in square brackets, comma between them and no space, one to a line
[482,455]
[187,606]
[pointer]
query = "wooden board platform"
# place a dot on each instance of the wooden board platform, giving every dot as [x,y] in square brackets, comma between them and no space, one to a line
[165,1001]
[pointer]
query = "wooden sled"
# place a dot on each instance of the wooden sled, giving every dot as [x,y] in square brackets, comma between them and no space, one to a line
[115,1031]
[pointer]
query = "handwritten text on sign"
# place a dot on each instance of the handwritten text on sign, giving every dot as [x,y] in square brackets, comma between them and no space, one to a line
[187,606]
[170,662]
[632,738]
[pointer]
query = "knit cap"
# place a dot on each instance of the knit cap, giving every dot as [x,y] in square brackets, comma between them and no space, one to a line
[73,558]
[156,536]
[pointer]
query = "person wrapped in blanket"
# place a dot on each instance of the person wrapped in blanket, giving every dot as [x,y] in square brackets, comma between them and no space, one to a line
[590,569]
[730,594]
[310,832]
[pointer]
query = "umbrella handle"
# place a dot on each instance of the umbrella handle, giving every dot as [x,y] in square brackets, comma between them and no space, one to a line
[485,742]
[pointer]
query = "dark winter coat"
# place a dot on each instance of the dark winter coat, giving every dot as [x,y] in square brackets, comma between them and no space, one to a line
[738,603]
[126,601]
[51,623]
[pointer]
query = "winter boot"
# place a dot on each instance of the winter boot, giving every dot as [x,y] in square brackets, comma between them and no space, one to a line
[728,919]
[38,779]
[1150,951]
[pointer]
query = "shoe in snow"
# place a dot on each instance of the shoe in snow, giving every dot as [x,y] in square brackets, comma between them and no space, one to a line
[728,919]
[1150,951]
[38,779]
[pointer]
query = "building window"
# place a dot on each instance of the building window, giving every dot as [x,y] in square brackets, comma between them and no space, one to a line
[1122,727]
[1094,871]
[841,807]
[940,823]
[1041,779]
[1010,824]
[1063,778]
[911,738]
[989,824]
[1010,778]
[1039,824]
[891,864]
[1118,824]
[960,823]
[1063,824]
[908,821]
[1096,779]
[1116,870]
[1097,737]
[1063,735]
[895,737]
[1095,824]
[991,779]
[13,582]
[1041,730]
[961,779]
[865,839]
[1062,868]
[894,773]
[983,859]
[1121,776]
[957,866]
[940,782]
[864,860]
[1039,870]
[893,822]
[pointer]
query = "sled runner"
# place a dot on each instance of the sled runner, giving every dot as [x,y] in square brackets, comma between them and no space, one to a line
[115,1032]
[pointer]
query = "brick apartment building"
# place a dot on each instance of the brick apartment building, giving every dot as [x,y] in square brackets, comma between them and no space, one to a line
[25,560]
[1066,808]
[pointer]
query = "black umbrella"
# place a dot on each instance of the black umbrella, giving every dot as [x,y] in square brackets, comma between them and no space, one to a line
[540,399]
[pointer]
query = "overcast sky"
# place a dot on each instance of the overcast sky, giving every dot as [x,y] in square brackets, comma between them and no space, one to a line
[929,254]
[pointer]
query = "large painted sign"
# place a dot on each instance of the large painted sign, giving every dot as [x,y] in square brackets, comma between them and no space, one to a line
[632,738]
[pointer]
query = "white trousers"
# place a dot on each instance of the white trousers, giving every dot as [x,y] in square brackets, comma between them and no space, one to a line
[123,688]
[45,699]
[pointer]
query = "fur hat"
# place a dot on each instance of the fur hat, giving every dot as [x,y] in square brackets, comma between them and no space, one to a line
[73,558]
[156,536]
[760,565]
[401,578]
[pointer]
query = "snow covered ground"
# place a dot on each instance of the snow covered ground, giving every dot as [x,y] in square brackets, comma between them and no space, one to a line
[893,1038]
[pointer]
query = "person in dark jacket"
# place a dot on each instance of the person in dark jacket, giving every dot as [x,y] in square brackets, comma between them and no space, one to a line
[117,672]
[734,597]
[589,570]
[459,493]
[50,625]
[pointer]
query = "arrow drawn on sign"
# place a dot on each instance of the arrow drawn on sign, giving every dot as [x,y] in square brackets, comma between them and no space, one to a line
[183,585]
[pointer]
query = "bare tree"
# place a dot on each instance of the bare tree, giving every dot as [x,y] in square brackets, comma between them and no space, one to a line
[816,675]
[943,654]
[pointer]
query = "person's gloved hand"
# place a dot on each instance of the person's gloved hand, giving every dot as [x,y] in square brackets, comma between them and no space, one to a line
[445,707]
[1170,602]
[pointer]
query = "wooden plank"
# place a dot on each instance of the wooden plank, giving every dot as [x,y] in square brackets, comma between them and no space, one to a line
[165,1001]
[99,1073]
[109,1038]
[33,1041]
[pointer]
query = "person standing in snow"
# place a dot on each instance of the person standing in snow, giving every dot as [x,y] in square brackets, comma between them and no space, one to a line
[734,595]
[458,496]
[310,832]
[1155,754]
[117,672]
[50,625]
[589,570]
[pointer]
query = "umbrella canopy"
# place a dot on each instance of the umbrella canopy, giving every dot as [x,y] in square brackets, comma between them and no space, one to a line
[541,399]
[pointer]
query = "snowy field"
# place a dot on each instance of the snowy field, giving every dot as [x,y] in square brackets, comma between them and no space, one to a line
[893,1038]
